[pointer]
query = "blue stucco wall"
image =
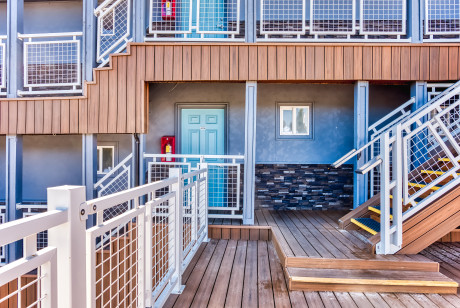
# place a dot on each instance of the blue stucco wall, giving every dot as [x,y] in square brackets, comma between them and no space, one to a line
[162,109]
[332,120]
[332,116]
[50,161]
[53,16]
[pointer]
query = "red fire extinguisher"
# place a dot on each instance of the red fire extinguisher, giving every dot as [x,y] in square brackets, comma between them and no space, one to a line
[168,9]
[168,146]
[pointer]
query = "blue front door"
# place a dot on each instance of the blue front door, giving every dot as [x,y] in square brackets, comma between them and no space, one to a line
[203,133]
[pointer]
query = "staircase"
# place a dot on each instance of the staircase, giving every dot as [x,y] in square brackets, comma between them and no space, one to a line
[412,159]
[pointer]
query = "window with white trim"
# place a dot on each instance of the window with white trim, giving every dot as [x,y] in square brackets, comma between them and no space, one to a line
[105,158]
[294,120]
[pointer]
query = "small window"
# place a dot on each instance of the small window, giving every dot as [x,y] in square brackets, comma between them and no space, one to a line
[294,121]
[105,158]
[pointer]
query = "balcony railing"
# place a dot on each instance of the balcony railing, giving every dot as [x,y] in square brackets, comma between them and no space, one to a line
[442,20]
[332,20]
[52,63]
[136,258]
[203,20]
[2,65]
[113,28]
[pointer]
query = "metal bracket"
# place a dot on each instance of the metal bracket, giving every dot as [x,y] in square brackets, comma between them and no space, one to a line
[83,212]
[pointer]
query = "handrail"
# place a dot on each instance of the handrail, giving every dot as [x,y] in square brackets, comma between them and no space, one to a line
[42,35]
[352,154]
[115,169]
[105,202]
[14,230]
[388,116]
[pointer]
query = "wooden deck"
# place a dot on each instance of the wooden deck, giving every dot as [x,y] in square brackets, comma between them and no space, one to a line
[241,273]
[255,266]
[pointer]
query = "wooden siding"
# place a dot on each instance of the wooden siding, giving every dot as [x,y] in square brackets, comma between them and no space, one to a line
[116,102]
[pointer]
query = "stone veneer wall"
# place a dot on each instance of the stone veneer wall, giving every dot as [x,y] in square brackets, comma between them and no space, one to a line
[304,186]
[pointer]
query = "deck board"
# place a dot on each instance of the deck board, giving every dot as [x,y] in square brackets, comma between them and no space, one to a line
[238,282]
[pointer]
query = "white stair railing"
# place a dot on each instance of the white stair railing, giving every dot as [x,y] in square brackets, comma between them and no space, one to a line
[417,163]
[113,28]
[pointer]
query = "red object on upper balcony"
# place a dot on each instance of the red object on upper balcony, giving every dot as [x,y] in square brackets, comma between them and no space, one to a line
[168,9]
[168,146]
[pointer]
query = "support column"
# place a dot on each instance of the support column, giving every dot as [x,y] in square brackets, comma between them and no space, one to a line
[135,161]
[361,118]
[142,165]
[419,90]
[14,46]
[139,17]
[415,11]
[250,21]
[249,152]
[89,39]
[89,165]
[13,188]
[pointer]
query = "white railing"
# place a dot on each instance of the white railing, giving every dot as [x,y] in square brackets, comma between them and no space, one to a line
[418,161]
[32,280]
[333,20]
[442,20]
[137,258]
[113,28]
[225,178]
[116,180]
[209,20]
[2,65]
[34,208]
[134,259]
[52,63]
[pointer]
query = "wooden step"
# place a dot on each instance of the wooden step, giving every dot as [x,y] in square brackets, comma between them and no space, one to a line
[302,279]
[368,224]
[422,185]
[376,209]
[376,263]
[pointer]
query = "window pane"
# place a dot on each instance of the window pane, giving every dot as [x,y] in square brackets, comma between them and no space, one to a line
[302,120]
[107,159]
[287,122]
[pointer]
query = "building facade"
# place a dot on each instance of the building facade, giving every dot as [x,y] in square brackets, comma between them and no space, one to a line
[269,93]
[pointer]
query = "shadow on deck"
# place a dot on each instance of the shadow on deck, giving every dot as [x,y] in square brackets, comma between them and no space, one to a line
[247,266]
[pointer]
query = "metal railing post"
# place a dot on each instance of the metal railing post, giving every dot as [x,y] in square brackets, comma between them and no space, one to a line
[396,237]
[70,241]
[178,235]
[384,244]
[148,254]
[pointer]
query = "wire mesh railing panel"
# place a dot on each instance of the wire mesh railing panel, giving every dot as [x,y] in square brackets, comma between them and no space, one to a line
[188,226]
[170,16]
[158,171]
[42,237]
[219,17]
[114,28]
[119,183]
[224,188]
[23,291]
[332,16]
[429,162]
[442,17]
[202,207]
[383,17]
[52,63]
[2,220]
[163,245]
[282,17]
[116,252]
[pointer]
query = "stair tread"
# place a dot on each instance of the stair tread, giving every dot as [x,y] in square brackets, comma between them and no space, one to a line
[423,184]
[367,224]
[437,172]
[360,276]
[377,207]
